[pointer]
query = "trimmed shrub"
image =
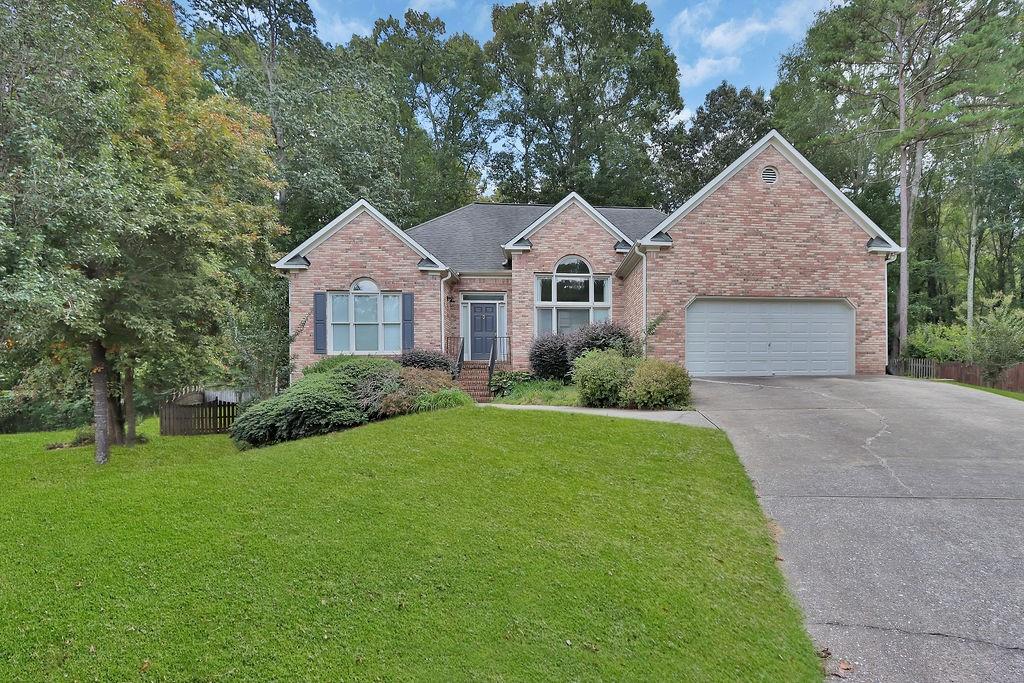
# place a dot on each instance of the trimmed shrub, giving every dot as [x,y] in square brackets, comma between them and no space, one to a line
[317,404]
[600,376]
[442,399]
[428,360]
[353,365]
[504,381]
[548,357]
[414,382]
[606,335]
[657,385]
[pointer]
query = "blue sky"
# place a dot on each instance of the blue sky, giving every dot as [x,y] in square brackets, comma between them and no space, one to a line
[713,40]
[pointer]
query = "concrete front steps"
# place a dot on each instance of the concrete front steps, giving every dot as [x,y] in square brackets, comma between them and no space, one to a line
[473,379]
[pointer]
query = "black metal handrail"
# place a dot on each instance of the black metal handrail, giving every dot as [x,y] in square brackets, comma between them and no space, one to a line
[490,362]
[501,347]
[451,343]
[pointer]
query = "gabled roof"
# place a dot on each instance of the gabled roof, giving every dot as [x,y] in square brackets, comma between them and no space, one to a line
[879,241]
[470,238]
[569,200]
[296,258]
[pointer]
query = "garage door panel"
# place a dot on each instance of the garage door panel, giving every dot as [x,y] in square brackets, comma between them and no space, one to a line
[769,337]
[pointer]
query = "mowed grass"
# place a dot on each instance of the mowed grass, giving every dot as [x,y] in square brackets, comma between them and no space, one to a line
[992,390]
[469,544]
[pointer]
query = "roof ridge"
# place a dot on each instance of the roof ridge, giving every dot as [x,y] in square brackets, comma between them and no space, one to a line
[596,206]
[447,213]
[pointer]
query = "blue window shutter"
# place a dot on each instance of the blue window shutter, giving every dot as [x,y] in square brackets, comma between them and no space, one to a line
[408,336]
[319,322]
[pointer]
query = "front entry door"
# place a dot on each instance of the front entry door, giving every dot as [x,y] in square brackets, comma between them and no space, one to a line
[483,328]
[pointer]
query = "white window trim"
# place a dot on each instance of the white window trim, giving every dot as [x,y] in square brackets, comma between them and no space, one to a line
[555,304]
[352,324]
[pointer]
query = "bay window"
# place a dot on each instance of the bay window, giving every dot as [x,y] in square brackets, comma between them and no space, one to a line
[571,297]
[365,320]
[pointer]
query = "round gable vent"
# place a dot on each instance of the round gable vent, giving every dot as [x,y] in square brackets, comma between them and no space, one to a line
[769,174]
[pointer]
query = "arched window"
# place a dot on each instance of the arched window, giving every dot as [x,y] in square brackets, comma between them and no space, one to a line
[571,297]
[365,320]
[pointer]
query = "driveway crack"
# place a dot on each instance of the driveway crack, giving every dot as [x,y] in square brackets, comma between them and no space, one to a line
[869,442]
[938,634]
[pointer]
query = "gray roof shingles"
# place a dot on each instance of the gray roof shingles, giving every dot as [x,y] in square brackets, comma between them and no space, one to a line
[469,238]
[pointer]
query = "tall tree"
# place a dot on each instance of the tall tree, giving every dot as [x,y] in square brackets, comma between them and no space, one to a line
[723,127]
[583,85]
[911,72]
[448,85]
[125,193]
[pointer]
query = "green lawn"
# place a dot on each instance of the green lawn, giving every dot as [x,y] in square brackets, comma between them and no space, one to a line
[464,544]
[542,392]
[992,390]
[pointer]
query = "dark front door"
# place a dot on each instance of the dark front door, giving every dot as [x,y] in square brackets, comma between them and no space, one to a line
[482,330]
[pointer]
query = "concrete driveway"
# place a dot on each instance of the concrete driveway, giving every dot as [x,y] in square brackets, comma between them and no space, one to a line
[901,507]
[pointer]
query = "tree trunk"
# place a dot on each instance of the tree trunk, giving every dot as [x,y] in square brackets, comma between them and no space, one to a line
[903,295]
[972,260]
[100,416]
[115,417]
[128,397]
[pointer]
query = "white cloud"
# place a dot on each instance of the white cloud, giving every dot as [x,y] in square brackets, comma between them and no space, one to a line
[431,5]
[706,68]
[690,23]
[336,30]
[789,18]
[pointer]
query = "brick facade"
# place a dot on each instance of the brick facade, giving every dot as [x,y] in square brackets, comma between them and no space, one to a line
[571,232]
[752,239]
[362,248]
[746,239]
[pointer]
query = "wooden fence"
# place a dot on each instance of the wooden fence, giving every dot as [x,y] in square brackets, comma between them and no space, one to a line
[1011,380]
[215,417]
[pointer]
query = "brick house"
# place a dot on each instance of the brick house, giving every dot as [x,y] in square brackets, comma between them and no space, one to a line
[768,270]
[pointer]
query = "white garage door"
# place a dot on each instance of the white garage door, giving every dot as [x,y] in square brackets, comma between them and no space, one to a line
[759,337]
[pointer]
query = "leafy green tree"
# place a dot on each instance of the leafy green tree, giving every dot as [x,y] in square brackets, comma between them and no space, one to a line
[583,83]
[125,194]
[448,85]
[905,73]
[723,127]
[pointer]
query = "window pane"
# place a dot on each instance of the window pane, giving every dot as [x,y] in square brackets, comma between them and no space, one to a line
[393,337]
[339,308]
[600,314]
[570,319]
[572,264]
[366,337]
[601,290]
[364,286]
[392,308]
[543,321]
[365,309]
[573,290]
[544,287]
[339,338]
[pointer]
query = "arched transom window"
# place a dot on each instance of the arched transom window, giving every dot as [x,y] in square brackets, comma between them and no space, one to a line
[571,297]
[365,319]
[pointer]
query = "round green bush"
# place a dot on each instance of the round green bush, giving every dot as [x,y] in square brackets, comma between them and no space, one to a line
[504,381]
[606,335]
[317,404]
[548,357]
[428,360]
[600,376]
[657,385]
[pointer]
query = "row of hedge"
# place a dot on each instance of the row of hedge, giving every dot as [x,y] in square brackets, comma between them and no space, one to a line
[604,362]
[346,391]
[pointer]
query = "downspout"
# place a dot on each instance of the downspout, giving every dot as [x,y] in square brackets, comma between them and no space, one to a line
[441,300]
[643,261]
[889,258]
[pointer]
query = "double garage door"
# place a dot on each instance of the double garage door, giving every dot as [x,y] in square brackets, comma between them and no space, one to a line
[761,337]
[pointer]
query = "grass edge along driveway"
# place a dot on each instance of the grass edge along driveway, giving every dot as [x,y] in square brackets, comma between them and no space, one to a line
[463,544]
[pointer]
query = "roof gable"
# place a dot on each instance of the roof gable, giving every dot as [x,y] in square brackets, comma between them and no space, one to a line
[296,258]
[878,240]
[521,242]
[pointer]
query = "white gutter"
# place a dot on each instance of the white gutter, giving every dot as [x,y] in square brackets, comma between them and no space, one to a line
[441,299]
